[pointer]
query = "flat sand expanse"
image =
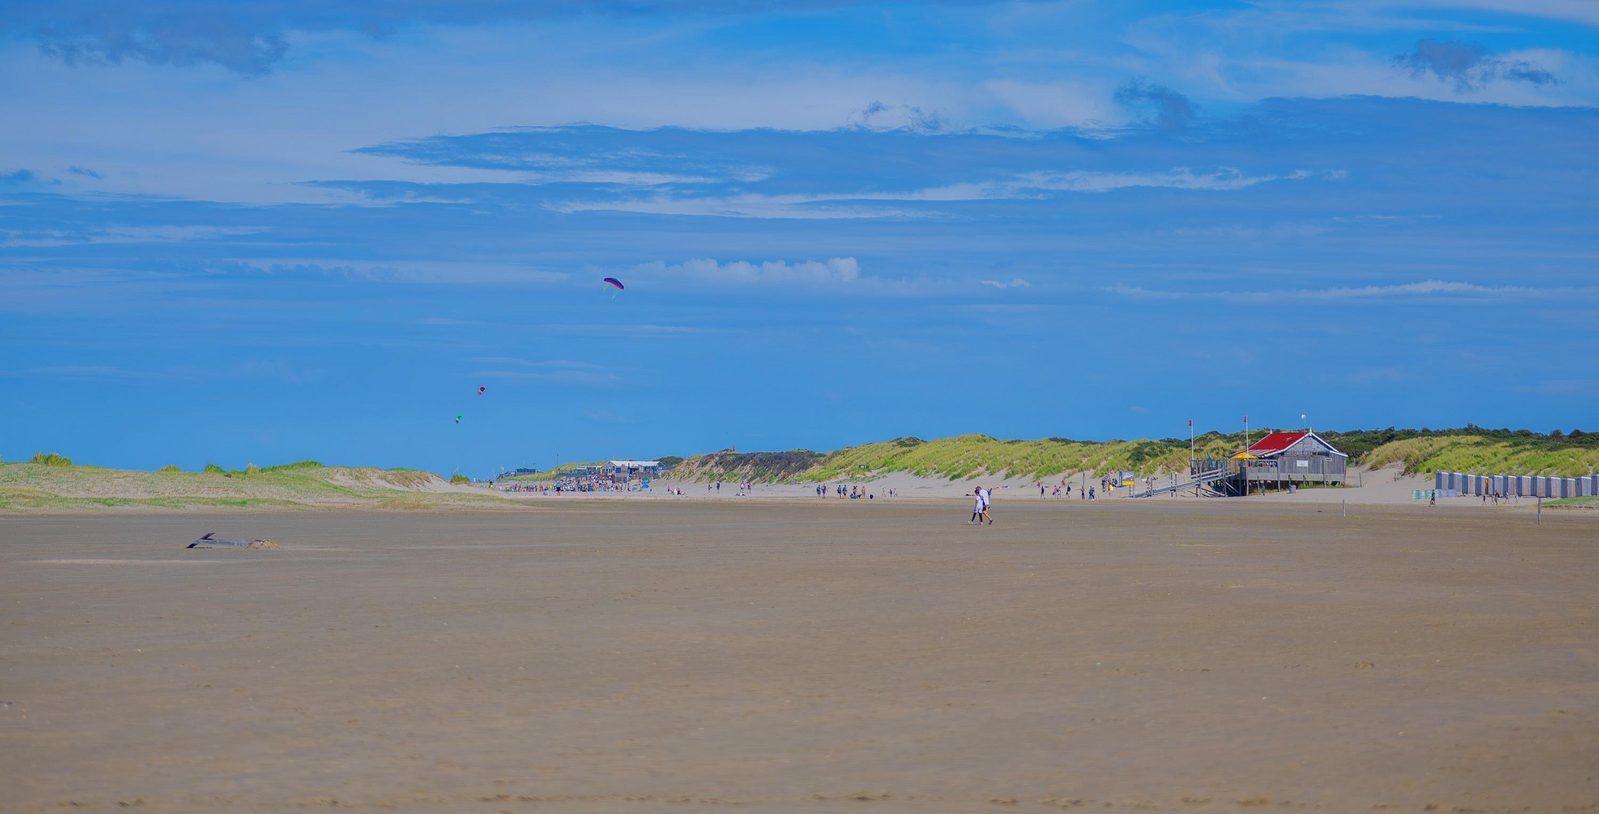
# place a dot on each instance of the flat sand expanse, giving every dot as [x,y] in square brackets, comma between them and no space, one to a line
[783,656]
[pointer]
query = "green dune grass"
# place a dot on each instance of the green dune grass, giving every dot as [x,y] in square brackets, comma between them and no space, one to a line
[966,456]
[1481,455]
[302,485]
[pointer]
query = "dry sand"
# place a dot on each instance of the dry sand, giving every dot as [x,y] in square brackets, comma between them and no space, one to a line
[776,656]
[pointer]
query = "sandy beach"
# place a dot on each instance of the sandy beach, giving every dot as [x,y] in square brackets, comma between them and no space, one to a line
[598,656]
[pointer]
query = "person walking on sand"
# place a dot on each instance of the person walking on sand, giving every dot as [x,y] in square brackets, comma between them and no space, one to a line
[987,499]
[977,506]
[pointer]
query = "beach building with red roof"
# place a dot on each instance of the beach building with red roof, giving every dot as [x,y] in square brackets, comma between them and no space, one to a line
[1292,457]
[1279,460]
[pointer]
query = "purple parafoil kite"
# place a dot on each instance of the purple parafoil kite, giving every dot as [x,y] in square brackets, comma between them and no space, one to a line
[615,282]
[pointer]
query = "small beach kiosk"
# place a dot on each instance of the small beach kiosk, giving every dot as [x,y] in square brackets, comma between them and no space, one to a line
[1282,458]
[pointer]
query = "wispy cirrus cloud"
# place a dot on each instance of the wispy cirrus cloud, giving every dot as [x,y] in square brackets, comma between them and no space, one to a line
[1425,288]
[586,154]
[1033,184]
[126,234]
[1222,179]
[870,204]
[1015,282]
[831,272]
[397,271]
[784,207]
[559,371]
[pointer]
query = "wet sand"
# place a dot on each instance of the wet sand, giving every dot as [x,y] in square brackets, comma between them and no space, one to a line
[785,656]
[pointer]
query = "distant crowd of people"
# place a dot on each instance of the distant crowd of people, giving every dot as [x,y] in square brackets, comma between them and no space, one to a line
[1065,489]
[982,497]
[571,484]
[852,492]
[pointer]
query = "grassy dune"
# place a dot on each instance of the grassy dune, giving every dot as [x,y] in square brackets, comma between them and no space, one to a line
[1477,454]
[61,486]
[955,458]
[1467,450]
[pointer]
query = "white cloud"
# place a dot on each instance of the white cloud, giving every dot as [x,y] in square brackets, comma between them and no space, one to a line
[793,207]
[859,205]
[1016,282]
[1224,178]
[831,272]
[403,271]
[553,376]
[128,234]
[227,138]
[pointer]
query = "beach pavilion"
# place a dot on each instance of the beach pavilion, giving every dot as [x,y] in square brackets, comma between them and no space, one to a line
[1291,457]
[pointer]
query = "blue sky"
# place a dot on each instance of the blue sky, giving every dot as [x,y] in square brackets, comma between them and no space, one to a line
[261,232]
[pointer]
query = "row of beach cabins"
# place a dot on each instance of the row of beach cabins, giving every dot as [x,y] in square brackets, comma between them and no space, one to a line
[1461,484]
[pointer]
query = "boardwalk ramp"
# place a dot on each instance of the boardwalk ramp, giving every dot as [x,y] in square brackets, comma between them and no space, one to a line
[1204,480]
